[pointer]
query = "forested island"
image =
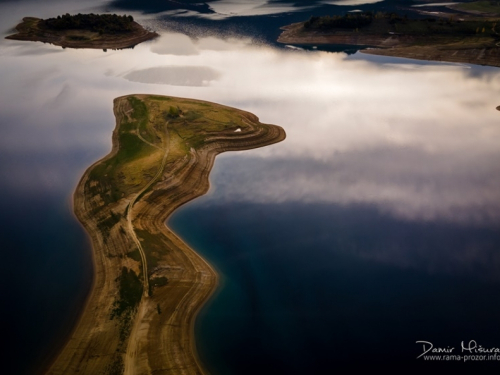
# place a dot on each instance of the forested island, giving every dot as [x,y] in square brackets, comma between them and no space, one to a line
[453,39]
[102,31]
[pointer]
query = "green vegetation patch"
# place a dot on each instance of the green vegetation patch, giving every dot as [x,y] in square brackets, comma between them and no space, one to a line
[130,148]
[108,178]
[444,27]
[100,23]
[117,366]
[393,23]
[193,115]
[195,123]
[173,112]
[124,308]
[492,7]
[130,293]
[348,21]
[161,98]
[141,120]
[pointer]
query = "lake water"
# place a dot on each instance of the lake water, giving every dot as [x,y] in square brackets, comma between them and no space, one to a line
[374,225]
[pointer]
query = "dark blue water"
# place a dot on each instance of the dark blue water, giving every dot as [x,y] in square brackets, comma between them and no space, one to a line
[323,288]
[46,268]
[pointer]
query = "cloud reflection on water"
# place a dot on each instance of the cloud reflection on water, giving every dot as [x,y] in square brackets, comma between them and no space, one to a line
[355,133]
[232,8]
[175,75]
[174,44]
[350,2]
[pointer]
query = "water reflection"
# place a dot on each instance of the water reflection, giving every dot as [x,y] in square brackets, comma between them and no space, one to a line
[354,135]
[218,9]
[351,2]
[174,44]
[231,8]
[405,182]
[175,75]
[26,50]
[157,6]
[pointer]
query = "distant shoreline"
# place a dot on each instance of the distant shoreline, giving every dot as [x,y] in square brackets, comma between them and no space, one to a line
[30,30]
[387,44]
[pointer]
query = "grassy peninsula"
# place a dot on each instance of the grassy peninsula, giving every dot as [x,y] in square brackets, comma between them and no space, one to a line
[453,39]
[149,284]
[102,31]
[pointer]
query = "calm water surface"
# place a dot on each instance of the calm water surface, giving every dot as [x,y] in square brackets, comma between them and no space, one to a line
[373,225]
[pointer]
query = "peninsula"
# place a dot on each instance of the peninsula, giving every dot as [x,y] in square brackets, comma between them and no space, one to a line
[471,40]
[148,284]
[99,31]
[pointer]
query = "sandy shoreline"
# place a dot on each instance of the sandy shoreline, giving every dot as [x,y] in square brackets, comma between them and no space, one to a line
[159,337]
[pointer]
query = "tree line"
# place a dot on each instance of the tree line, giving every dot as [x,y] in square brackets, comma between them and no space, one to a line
[348,21]
[101,23]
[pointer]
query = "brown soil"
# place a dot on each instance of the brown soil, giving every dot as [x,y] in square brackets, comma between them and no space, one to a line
[31,30]
[158,343]
[478,56]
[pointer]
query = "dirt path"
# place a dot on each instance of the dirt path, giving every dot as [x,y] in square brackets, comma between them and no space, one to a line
[130,208]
